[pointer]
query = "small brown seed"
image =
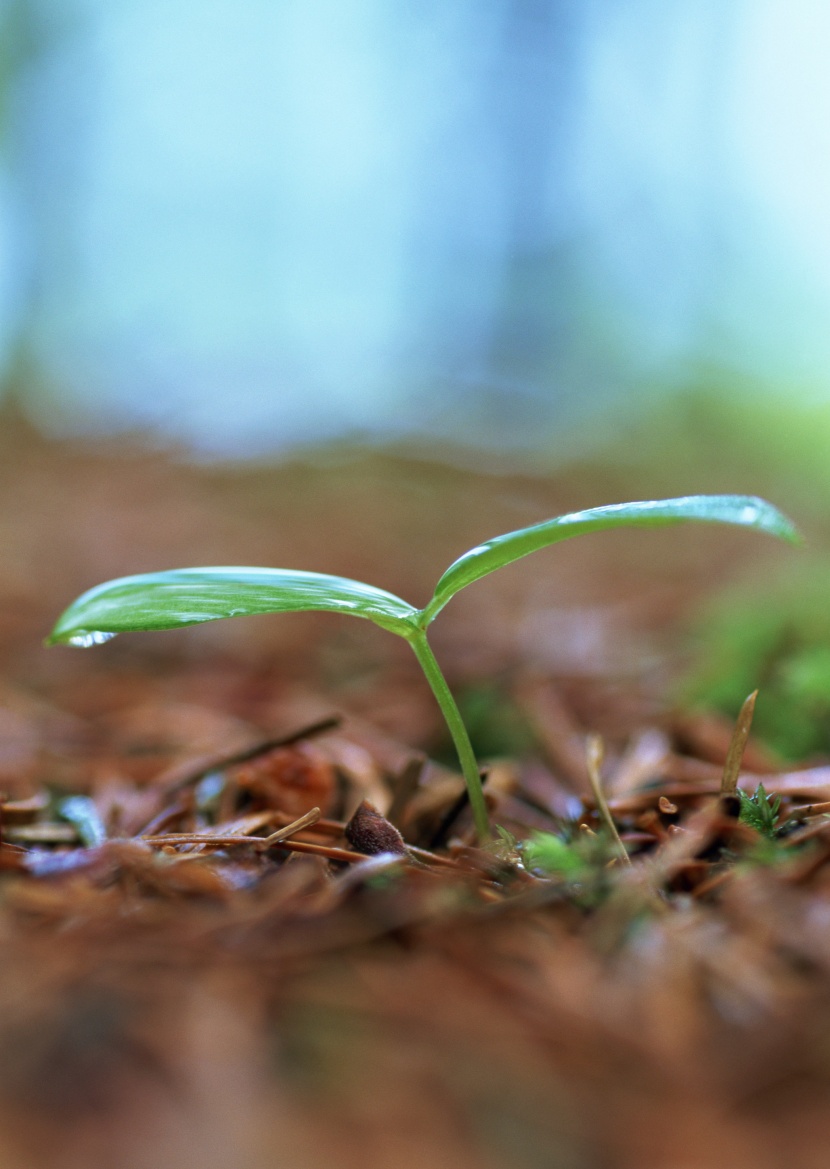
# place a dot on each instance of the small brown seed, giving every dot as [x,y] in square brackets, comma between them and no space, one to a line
[371,833]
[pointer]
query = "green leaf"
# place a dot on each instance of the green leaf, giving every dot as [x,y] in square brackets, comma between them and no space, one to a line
[743,510]
[188,596]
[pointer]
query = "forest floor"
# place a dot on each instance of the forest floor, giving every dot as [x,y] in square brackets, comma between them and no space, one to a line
[179,986]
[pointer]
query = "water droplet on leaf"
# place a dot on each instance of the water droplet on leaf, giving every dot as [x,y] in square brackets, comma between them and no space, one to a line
[94,637]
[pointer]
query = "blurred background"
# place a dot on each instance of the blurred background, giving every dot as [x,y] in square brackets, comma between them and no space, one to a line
[240,227]
[350,286]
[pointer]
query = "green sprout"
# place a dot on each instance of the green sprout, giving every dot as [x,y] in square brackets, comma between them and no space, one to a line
[760,810]
[189,596]
[573,860]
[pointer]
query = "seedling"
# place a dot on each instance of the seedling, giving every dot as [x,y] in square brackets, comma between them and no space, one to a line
[189,596]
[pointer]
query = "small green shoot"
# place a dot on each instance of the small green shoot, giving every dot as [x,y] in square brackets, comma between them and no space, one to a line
[579,861]
[571,861]
[760,811]
[189,596]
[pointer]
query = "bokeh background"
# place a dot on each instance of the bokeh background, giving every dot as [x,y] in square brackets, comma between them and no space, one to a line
[240,227]
[350,286]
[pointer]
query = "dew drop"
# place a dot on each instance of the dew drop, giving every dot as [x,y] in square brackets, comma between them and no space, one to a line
[95,637]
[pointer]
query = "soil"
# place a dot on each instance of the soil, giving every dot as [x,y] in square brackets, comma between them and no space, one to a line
[189,976]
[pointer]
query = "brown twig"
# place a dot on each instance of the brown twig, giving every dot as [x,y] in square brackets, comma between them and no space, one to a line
[805,811]
[296,826]
[213,842]
[178,838]
[228,839]
[335,854]
[184,775]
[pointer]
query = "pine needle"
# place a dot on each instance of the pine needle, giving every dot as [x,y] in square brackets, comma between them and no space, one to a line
[732,766]
[593,757]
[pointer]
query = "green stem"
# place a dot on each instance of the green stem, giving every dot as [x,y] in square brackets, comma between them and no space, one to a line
[463,746]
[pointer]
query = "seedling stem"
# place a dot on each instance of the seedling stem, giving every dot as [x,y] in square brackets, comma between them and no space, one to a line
[455,723]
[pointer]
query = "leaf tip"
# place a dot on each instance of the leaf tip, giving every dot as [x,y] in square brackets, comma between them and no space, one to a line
[772,520]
